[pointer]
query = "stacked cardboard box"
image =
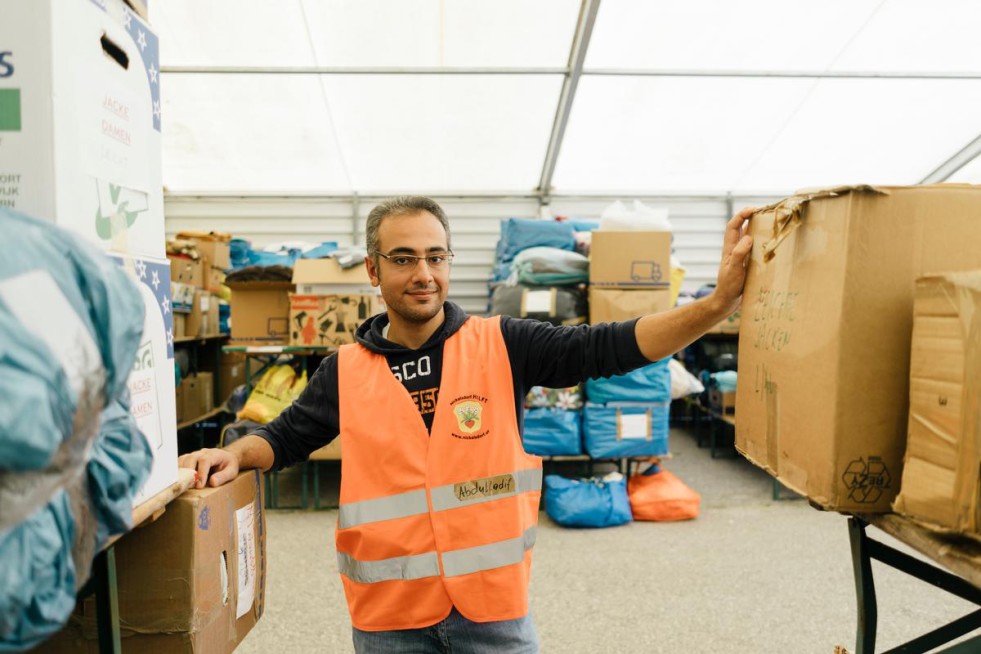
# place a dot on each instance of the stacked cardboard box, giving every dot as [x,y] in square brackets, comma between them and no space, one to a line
[260,312]
[87,156]
[942,468]
[330,303]
[629,274]
[824,348]
[192,581]
[197,275]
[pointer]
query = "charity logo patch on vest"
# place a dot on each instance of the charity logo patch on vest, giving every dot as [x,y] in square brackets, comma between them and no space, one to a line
[469,411]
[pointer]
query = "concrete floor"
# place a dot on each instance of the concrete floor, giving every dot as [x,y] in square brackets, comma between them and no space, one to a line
[749,575]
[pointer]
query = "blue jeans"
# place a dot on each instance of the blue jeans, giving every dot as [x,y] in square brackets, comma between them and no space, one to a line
[454,635]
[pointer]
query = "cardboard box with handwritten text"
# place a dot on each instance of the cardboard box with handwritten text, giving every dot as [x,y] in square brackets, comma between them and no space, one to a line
[824,343]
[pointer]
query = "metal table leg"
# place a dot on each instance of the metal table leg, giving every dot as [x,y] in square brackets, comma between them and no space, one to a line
[864,549]
[106,601]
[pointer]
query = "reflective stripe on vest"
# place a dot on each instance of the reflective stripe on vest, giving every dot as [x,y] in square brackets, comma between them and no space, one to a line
[455,562]
[445,497]
[399,567]
[488,557]
[402,505]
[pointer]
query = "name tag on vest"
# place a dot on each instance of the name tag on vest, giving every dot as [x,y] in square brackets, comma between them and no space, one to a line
[487,487]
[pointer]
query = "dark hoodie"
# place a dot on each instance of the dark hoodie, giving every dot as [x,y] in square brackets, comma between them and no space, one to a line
[540,354]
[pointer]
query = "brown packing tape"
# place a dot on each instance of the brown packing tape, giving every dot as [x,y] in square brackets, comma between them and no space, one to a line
[788,213]
[647,426]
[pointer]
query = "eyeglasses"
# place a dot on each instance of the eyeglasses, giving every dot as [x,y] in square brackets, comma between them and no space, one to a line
[410,261]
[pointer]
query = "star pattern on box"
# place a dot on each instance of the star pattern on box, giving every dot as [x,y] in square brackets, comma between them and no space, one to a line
[149,48]
[152,275]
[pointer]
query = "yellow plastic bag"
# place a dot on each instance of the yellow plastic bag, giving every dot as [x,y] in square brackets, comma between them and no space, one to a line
[276,390]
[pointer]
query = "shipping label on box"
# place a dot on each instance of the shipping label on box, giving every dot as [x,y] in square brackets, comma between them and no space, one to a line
[328,320]
[614,304]
[80,121]
[181,296]
[630,259]
[825,333]
[151,382]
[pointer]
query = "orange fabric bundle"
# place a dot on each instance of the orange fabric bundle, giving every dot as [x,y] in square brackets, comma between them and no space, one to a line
[661,497]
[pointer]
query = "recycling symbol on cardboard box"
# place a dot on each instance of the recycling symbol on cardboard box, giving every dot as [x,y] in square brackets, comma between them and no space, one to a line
[865,480]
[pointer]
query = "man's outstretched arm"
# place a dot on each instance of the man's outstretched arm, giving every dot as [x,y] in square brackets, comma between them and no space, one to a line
[662,334]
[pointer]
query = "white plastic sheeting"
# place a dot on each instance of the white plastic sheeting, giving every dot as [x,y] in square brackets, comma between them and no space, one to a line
[697,96]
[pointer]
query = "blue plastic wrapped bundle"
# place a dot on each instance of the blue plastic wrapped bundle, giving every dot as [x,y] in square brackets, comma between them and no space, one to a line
[594,502]
[648,384]
[552,432]
[70,326]
[519,234]
[37,575]
[625,429]
[120,464]
[547,266]
[76,310]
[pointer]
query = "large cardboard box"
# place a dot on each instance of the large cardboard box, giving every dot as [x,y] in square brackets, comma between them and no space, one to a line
[231,373]
[193,581]
[614,304]
[187,271]
[328,320]
[151,382]
[192,396]
[941,482]
[260,312]
[213,246]
[825,340]
[326,277]
[630,259]
[80,125]
[206,386]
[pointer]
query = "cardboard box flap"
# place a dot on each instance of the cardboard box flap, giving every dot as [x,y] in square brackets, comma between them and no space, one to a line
[788,212]
[193,235]
[328,271]
[259,286]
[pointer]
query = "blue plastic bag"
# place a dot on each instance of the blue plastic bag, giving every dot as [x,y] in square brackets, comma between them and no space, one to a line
[648,384]
[518,234]
[552,432]
[622,429]
[590,502]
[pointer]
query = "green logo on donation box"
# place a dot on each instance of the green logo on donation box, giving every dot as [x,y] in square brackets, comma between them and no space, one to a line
[9,110]
[118,209]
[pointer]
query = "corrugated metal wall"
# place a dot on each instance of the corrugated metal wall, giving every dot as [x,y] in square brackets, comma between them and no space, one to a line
[698,227]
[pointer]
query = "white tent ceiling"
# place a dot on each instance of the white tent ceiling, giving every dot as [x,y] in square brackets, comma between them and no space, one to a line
[471,98]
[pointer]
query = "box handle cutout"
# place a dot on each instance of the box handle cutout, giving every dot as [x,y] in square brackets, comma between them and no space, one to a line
[114,52]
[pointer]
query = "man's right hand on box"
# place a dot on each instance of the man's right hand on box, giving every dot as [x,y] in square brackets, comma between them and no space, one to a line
[213,467]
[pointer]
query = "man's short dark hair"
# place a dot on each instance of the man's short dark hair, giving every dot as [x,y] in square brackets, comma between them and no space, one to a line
[401,206]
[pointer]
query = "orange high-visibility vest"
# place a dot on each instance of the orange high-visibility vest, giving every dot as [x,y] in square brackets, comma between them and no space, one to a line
[431,521]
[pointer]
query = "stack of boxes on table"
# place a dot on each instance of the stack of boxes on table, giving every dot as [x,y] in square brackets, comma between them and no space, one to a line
[629,276]
[87,156]
[198,262]
[539,274]
[860,350]
[629,272]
